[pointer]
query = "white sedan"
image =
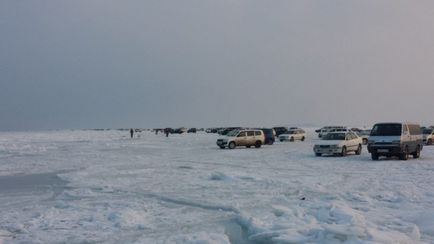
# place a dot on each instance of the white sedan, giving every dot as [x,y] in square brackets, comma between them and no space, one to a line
[339,143]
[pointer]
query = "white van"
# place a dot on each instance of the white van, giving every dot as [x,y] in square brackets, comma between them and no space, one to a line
[395,139]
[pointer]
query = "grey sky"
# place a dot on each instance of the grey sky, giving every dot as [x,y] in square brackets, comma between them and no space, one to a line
[102,63]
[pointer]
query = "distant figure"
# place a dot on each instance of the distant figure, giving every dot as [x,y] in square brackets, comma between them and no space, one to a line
[156,132]
[131,132]
[167,132]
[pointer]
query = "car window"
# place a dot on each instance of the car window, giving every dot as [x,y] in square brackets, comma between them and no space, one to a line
[250,133]
[242,134]
[257,133]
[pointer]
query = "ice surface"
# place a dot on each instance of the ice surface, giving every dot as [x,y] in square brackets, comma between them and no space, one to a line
[101,186]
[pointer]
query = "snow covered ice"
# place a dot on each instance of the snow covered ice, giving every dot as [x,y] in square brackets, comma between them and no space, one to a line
[101,186]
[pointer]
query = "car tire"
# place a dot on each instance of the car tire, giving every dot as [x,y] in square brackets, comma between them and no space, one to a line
[232,145]
[429,142]
[302,139]
[416,154]
[404,155]
[222,147]
[270,142]
[374,156]
[344,151]
[258,144]
[318,154]
[359,150]
[248,146]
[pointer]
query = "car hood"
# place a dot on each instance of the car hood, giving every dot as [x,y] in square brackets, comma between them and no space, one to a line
[329,142]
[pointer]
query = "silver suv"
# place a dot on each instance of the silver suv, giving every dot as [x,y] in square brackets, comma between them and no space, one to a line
[245,138]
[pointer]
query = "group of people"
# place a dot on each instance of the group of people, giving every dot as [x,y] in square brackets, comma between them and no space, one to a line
[166,131]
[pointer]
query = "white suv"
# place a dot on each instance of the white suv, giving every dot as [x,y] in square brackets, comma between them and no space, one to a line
[428,136]
[292,135]
[245,138]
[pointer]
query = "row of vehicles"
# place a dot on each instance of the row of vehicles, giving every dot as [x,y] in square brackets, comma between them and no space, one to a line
[385,139]
[258,137]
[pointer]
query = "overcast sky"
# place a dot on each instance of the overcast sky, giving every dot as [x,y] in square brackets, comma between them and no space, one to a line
[156,63]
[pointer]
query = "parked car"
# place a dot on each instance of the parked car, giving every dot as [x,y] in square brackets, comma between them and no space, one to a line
[245,138]
[364,134]
[326,129]
[339,143]
[280,130]
[395,139]
[192,130]
[179,130]
[292,135]
[428,136]
[225,131]
[270,136]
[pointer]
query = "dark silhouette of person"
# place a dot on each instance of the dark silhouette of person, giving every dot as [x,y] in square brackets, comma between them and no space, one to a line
[167,132]
[131,132]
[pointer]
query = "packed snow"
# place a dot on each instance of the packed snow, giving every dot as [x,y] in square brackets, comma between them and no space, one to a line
[102,186]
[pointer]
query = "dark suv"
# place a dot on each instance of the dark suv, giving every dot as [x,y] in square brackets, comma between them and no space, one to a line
[280,130]
[269,136]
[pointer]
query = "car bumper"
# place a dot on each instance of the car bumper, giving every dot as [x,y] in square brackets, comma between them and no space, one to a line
[327,150]
[385,150]
[222,143]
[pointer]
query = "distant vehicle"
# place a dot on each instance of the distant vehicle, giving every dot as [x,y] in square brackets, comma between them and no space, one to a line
[326,129]
[280,130]
[270,136]
[245,138]
[364,134]
[339,143]
[225,131]
[428,136]
[179,130]
[292,135]
[395,139]
[192,130]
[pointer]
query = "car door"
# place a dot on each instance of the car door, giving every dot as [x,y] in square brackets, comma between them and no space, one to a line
[351,142]
[250,137]
[242,138]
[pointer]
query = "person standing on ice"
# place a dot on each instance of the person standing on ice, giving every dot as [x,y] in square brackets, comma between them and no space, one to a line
[131,132]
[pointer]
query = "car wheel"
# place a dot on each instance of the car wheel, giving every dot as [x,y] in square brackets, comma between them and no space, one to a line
[222,147]
[231,145]
[344,151]
[429,142]
[416,154]
[258,144]
[374,156]
[292,139]
[302,139]
[318,154]
[359,150]
[404,155]
[248,146]
[270,142]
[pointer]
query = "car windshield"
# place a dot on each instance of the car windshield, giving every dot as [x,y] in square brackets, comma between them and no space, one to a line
[233,133]
[427,131]
[386,130]
[334,136]
[291,132]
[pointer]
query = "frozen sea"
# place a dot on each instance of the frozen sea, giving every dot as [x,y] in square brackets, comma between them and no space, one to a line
[103,187]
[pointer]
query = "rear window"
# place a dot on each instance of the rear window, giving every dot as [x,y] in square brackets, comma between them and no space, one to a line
[386,130]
